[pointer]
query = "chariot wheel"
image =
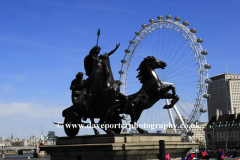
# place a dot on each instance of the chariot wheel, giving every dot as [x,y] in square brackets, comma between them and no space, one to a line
[71,122]
[174,43]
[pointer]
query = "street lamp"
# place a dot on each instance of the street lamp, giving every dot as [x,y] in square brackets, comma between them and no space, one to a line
[3,148]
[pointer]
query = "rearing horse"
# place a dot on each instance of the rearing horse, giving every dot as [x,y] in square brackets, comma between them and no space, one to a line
[152,90]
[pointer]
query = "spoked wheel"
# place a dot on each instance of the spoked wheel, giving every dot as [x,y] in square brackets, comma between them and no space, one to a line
[71,122]
[174,43]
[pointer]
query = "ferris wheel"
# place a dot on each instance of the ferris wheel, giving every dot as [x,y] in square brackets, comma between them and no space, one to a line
[174,43]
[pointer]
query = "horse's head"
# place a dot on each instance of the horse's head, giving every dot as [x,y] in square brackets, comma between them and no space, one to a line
[152,62]
[147,67]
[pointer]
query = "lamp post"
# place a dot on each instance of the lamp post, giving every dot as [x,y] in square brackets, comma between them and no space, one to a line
[205,145]
[3,149]
[213,141]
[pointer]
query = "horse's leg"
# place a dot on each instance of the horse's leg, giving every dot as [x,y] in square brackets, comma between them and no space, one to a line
[138,114]
[115,122]
[103,119]
[166,89]
[174,100]
[135,115]
[122,103]
[175,97]
[93,123]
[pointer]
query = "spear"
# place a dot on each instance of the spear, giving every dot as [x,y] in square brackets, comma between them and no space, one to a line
[98,33]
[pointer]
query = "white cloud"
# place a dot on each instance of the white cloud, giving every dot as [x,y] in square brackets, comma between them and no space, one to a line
[7,87]
[29,111]
[43,92]
[19,78]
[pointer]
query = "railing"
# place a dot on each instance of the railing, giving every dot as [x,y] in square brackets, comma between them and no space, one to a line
[17,147]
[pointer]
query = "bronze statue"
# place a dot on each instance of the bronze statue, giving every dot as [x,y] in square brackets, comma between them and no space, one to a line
[152,91]
[102,89]
[99,95]
[78,88]
[94,66]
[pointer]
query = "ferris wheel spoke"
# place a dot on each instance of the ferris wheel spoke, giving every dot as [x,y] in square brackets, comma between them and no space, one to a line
[184,111]
[179,35]
[185,94]
[164,34]
[182,73]
[178,60]
[179,73]
[184,85]
[169,40]
[177,51]
[185,78]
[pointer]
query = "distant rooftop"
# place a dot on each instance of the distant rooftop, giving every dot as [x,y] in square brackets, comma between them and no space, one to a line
[223,74]
[224,118]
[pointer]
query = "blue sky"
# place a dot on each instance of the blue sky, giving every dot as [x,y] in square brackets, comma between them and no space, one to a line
[43,44]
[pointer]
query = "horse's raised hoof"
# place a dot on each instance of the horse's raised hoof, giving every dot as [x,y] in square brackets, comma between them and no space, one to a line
[110,132]
[167,107]
[177,98]
[142,131]
[96,131]
[173,101]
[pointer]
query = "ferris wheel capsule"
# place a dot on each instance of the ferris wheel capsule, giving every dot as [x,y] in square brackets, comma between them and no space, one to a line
[131,41]
[200,40]
[207,66]
[121,72]
[160,17]
[168,16]
[196,122]
[190,133]
[206,95]
[124,61]
[151,20]
[203,110]
[127,51]
[204,52]
[177,18]
[144,26]
[124,129]
[185,23]
[193,30]
[125,116]
[208,81]
[137,33]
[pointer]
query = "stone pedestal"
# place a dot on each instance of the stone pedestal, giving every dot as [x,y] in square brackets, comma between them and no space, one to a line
[118,147]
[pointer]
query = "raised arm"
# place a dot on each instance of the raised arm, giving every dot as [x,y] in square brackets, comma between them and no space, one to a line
[110,53]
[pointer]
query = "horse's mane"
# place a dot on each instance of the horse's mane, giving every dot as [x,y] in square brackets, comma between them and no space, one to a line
[142,65]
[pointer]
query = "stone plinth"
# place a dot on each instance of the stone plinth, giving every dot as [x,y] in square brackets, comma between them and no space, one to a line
[117,147]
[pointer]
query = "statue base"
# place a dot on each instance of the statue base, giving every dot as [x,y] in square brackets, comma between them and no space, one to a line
[118,147]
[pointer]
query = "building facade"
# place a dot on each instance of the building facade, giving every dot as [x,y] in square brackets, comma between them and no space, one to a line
[199,133]
[224,94]
[223,131]
[196,128]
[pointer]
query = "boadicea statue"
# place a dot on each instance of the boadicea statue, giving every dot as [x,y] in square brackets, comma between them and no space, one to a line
[99,95]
